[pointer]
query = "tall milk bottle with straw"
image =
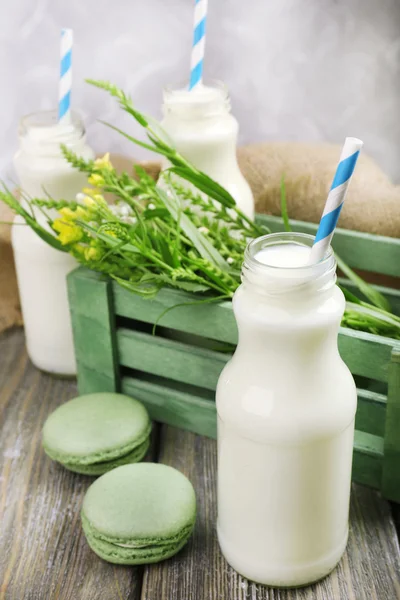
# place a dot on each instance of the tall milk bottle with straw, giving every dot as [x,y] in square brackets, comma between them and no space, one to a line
[199,122]
[286,404]
[42,270]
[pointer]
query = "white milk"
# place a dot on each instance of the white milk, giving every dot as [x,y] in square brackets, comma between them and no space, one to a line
[42,270]
[286,404]
[203,130]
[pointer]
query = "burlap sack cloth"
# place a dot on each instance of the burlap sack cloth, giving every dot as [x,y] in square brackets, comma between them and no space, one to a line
[372,205]
[10,313]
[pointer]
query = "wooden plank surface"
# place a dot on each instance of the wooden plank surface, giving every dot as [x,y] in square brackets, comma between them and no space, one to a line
[43,553]
[44,556]
[370,569]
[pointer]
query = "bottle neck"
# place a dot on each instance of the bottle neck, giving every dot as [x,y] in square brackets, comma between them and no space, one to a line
[287,311]
[40,134]
[276,266]
[205,102]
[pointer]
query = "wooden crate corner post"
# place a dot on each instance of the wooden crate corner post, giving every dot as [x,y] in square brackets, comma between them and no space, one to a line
[93,325]
[391,459]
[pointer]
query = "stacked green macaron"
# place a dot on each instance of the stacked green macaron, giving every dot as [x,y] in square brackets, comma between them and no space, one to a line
[95,433]
[139,513]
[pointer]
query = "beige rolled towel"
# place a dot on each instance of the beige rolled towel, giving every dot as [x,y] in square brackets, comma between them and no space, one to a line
[10,311]
[372,204]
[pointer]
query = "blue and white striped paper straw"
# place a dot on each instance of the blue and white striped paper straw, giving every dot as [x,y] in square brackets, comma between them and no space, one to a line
[64,102]
[336,197]
[199,39]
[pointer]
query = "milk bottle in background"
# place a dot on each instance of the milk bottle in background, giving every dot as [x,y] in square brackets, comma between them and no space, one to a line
[200,124]
[286,404]
[42,270]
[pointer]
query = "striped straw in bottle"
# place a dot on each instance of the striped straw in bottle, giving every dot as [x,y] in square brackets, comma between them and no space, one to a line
[199,38]
[64,102]
[336,197]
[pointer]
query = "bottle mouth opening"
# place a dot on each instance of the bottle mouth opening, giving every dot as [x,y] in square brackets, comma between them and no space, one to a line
[43,127]
[274,240]
[206,100]
[286,273]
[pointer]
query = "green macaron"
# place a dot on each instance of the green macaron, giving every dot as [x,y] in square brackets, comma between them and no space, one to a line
[139,514]
[95,433]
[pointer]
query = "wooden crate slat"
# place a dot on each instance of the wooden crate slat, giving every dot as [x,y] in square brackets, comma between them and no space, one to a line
[365,251]
[170,359]
[214,321]
[86,294]
[90,381]
[93,326]
[391,464]
[371,412]
[367,459]
[366,354]
[185,370]
[199,416]
[173,407]
[200,367]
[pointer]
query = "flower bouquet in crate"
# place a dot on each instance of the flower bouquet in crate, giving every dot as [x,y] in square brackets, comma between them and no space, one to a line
[151,307]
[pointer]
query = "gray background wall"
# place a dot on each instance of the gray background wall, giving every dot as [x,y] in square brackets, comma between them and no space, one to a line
[296,69]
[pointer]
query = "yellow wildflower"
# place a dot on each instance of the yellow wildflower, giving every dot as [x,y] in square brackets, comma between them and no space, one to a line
[67,213]
[99,199]
[89,202]
[68,233]
[104,162]
[92,253]
[96,180]
[89,191]
[71,215]
[109,232]
[80,249]
[93,193]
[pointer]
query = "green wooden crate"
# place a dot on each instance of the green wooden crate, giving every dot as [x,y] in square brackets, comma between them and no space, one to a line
[175,372]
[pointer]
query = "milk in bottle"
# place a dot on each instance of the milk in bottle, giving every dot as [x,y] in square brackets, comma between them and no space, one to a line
[204,131]
[286,403]
[42,270]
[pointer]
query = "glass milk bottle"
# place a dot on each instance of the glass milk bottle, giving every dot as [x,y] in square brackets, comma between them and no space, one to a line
[286,404]
[201,126]
[41,270]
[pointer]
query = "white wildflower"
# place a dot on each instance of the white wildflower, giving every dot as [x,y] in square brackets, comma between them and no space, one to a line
[125,211]
[80,198]
[151,206]
[230,260]
[203,229]
[129,220]
[114,209]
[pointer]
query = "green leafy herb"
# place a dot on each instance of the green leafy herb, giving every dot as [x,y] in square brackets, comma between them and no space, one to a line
[373,295]
[189,237]
[284,211]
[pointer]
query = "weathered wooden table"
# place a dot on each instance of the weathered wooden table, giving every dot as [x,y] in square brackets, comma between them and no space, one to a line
[43,553]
